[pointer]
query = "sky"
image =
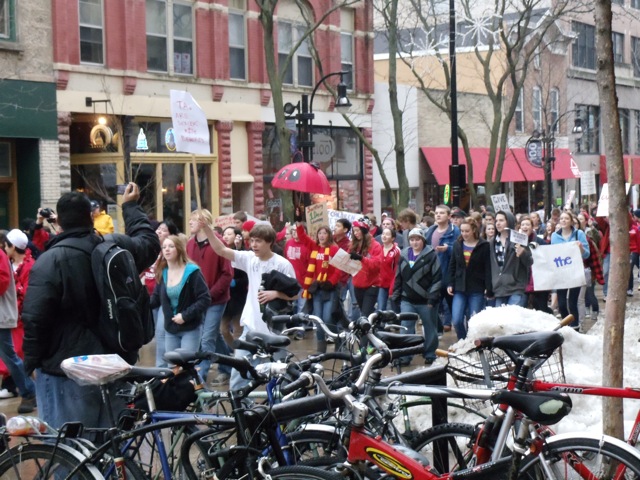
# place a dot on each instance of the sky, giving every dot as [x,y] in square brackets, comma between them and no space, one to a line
[582,359]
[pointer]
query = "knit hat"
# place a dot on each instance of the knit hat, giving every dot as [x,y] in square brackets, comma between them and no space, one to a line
[248,225]
[636,212]
[18,238]
[363,224]
[417,232]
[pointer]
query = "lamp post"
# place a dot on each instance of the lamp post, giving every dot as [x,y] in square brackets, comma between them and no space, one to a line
[305,116]
[541,149]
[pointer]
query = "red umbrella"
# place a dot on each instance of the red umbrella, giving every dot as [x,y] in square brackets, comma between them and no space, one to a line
[302,177]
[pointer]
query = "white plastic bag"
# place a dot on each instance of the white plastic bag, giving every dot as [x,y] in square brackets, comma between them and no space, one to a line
[95,369]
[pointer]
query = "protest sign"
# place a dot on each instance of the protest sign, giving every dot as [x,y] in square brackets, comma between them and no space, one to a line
[557,266]
[500,202]
[316,217]
[519,238]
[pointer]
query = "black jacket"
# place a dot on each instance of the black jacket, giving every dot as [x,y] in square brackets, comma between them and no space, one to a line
[420,284]
[62,304]
[472,278]
[193,302]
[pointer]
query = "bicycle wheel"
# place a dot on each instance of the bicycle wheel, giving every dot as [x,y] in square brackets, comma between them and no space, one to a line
[43,461]
[301,472]
[317,447]
[131,468]
[579,458]
[447,446]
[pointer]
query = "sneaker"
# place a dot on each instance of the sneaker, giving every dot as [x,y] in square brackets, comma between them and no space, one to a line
[4,393]
[330,340]
[27,405]
[630,293]
[447,328]
[220,380]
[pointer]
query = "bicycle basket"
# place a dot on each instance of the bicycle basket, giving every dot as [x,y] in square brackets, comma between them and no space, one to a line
[480,368]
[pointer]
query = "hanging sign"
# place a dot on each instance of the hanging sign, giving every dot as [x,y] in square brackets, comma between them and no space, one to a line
[533,152]
[189,124]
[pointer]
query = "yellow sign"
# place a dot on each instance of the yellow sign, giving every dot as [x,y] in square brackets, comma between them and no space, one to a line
[447,193]
[317,215]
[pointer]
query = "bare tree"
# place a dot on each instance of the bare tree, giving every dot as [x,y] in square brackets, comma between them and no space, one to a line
[618,221]
[504,36]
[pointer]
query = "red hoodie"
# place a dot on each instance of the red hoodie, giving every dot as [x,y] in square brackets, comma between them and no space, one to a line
[388,268]
[217,270]
[322,271]
[368,276]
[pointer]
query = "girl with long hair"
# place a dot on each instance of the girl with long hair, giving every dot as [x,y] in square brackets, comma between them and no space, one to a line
[182,293]
[369,252]
[388,267]
[230,326]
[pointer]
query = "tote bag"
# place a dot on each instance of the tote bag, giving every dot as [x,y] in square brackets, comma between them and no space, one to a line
[557,266]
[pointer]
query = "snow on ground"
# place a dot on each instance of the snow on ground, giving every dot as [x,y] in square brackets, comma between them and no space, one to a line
[582,357]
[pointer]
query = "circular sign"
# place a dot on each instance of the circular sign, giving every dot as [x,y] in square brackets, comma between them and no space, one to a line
[533,151]
[324,148]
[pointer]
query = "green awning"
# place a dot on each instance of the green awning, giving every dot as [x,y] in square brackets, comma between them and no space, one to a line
[28,109]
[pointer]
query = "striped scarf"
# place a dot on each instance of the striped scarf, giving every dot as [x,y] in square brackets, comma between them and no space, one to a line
[311,275]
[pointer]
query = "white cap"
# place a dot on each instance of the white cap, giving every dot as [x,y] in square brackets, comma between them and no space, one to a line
[18,238]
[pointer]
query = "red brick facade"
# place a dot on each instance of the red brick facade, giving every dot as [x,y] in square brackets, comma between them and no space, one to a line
[224,165]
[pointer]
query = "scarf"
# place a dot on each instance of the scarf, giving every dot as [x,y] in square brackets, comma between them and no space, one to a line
[310,275]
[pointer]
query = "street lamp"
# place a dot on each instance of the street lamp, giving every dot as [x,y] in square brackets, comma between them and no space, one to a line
[540,149]
[305,116]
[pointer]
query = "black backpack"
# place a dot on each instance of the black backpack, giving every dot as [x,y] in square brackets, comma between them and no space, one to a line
[125,322]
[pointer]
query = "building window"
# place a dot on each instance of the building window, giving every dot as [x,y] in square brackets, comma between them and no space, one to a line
[554,107]
[169,37]
[584,46]
[618,47]
[7,20]
[635,4]
[519,114]
[536,108]
[635,55]
[590,140]
[346,64]
[237,42]
[624,129]
[91,32]
[300,69]
[536,58]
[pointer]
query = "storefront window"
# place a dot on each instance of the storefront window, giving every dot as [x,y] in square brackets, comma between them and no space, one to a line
[98,182]
[173,193]
[158,135]
[144,175]
[204,173]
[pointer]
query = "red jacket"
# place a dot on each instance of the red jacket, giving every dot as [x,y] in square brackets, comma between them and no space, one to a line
[368,276]
[22,280]
[603,226]
[217,270]
[40,237]
[317,255]
[344,244]
[298,254]
[634,237]
[388,268]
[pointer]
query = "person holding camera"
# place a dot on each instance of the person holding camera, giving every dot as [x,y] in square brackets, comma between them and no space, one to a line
[41,232]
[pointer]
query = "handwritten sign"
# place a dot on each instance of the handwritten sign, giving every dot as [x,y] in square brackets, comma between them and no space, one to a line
[317,216]
[190,125]
[342,261]
[500,202]
[603,201]
[335,215]
[519,238]
[588,182]
[224,221]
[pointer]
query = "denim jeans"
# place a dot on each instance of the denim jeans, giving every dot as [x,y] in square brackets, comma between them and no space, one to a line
[463,302]
[515,299]
[62,400]
[366,298]
[323,304]
[189,340]
[429,317]
[606,262]
[383,298]
[354,308]
[160,334]
[212,340]
[14,364]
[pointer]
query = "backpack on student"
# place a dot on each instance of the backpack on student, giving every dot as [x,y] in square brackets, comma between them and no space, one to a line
[125,322]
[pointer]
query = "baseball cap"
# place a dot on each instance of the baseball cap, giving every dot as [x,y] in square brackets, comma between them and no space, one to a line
[94,205]
[18,238]
[459,213]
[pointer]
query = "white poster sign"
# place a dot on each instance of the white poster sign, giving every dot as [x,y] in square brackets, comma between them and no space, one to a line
[588,182]
[500,202]
[557,266]
[519,238]
[190,125]
[603,202]
[335,215]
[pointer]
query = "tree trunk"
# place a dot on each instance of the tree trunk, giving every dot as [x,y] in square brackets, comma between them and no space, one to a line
[618,221]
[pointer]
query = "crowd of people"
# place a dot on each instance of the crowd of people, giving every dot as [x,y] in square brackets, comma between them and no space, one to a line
[211,286]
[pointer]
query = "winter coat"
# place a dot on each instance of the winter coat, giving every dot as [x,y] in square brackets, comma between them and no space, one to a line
[62,305]
[368,275]
[420,284]
[217,270]
[448,238]
[472,278]
[193,300]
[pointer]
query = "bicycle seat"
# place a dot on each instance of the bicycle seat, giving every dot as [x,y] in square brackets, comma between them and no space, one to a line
[268,341]
[147,373]
[535,344]
[182,357]
[400,340]
[545,408]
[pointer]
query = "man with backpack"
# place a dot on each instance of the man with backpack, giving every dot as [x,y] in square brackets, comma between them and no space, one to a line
[65,312]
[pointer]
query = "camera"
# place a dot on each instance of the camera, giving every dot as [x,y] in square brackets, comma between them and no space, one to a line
[121,188]
[46,213]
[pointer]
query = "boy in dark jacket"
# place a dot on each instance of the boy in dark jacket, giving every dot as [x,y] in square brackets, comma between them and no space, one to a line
[417,289]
